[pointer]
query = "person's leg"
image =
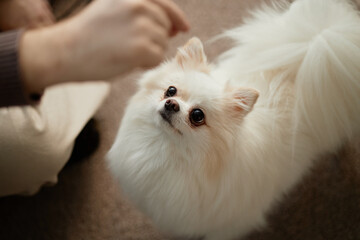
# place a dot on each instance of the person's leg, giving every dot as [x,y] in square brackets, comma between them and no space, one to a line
[36,142]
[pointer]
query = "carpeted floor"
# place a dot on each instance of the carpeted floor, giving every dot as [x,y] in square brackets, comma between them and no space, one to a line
[86,204]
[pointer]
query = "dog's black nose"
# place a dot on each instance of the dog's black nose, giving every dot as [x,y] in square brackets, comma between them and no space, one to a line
[172,105]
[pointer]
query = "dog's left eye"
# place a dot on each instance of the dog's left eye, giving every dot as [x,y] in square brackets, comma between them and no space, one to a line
[171,91]
[197,117]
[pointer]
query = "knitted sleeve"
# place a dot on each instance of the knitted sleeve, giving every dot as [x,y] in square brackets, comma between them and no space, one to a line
[11,89]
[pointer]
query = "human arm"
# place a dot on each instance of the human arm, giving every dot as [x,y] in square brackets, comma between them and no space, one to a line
[16,14]
[108,38]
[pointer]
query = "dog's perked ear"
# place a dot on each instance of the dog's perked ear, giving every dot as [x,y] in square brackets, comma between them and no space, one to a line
[192,55]
[241,101]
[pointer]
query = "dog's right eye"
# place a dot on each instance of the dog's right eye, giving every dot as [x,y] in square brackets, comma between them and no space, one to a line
[197,117]
[171,91]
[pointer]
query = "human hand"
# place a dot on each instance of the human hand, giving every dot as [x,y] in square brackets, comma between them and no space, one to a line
[108,38]
[24,13]
[176,16]
[132,33]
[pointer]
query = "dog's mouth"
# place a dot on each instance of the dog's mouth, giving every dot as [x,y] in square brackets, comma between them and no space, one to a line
[167,118]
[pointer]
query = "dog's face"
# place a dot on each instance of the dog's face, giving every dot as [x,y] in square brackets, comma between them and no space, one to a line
[186,105]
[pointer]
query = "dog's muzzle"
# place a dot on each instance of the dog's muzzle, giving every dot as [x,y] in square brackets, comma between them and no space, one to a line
[171,106]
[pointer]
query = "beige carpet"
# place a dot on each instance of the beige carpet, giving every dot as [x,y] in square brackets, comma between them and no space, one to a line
[86,204]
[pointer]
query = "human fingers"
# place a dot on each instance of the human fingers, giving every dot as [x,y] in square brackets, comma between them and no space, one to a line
[155,55]
[159,36]
[148,32]
[177,16]
[159,16]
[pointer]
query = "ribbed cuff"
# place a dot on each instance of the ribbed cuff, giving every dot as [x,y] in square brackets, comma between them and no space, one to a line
[11,90]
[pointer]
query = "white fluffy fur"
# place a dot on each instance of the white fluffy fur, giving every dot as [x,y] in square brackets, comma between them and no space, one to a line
[220,179]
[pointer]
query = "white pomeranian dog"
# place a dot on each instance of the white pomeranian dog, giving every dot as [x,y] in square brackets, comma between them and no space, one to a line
[208,150]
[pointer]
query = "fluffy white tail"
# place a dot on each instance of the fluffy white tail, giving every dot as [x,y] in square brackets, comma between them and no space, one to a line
[316,43]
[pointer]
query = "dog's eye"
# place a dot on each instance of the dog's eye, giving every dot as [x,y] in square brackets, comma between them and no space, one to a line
[171,91]
[197,117]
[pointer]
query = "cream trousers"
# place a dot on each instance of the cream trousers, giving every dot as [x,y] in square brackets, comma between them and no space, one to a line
[36,141]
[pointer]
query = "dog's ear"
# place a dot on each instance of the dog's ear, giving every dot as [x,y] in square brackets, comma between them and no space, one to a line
[240,101]
[192,55]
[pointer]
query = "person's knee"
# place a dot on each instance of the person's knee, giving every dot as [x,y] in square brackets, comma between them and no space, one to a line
[30,163]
